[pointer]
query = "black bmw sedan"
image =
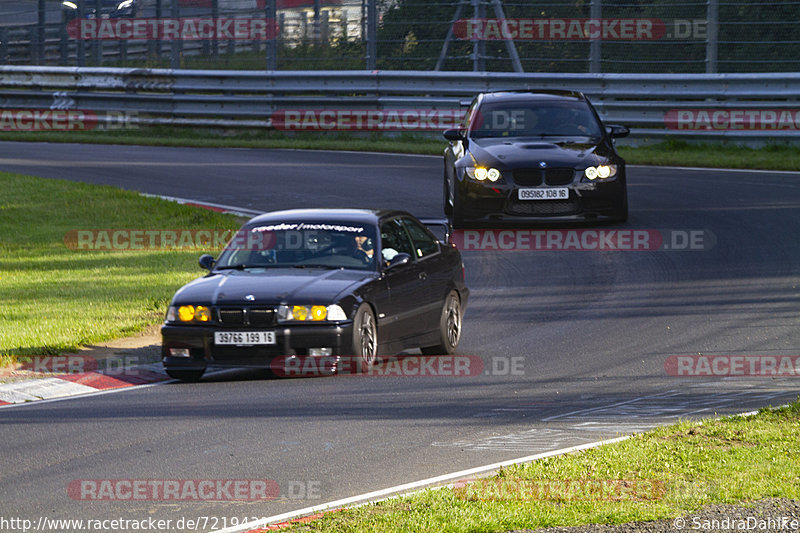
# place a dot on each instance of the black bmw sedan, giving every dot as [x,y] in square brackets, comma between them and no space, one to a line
[542,156]
[318,283]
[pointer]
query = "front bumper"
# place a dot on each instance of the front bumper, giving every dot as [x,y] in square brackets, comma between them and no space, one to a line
[290,340]
[495,202]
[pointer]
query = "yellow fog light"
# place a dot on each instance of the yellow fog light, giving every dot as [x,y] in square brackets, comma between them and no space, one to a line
[319,312]
[186,313]
[300,312]
[202,313]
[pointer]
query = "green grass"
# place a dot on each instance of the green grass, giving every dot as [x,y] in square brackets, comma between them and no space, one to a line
[683,153]
[668,471]
[56,299]
[666,153]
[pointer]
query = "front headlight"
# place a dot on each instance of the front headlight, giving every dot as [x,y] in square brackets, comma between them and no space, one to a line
[124,5]
[310,313]
[69,5]
[189,313]
[483,173]
[601,171]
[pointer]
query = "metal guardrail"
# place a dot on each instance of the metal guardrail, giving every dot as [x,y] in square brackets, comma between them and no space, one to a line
[247,99]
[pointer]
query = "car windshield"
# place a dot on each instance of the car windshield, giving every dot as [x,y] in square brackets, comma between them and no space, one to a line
[534,119]
[312,244]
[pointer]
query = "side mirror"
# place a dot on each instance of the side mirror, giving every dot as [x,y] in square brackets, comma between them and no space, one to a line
[399,259]
[207,261]
[616,131]
[454,135]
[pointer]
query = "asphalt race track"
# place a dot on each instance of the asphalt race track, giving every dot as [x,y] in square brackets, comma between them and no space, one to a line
[588,332]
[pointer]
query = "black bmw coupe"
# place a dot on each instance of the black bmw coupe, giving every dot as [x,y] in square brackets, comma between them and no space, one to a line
[318,283]
[533,156]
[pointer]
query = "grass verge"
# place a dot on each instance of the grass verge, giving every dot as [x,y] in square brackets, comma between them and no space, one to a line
[55,298]
[667,153]
[656,475]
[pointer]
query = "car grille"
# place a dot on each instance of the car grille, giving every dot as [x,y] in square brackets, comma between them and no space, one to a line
[238,316]
[527,176]
[537,176]
[541,208]
[559,176]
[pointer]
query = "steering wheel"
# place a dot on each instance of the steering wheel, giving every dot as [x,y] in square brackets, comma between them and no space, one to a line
[362,256]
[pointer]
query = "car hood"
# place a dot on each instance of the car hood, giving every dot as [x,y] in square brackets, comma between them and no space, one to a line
[529,151]
[271,286]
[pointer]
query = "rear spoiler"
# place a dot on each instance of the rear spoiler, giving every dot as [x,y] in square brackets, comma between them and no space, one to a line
[440,227]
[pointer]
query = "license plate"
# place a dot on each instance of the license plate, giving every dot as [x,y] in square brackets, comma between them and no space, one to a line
[552,193]
[244,337]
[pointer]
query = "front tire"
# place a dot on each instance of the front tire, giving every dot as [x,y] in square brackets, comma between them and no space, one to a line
[449,327]
[190,376]
[365,338]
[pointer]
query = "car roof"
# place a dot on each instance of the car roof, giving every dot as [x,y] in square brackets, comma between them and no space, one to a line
[361,216]
[526,96]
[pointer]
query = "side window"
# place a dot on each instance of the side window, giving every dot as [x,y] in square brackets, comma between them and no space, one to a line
[394,240]
[424,243]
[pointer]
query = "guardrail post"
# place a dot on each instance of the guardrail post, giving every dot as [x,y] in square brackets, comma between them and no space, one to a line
[97,44]
[63,44]
[33,46]
[215,40]
[372,35]
[315,32]
[40,33]
[595,45]
[80,50]
[157,42]
[175,55]
[4,45]
[712,18]
[270,12]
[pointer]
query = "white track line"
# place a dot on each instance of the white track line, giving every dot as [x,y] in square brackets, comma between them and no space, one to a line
[372,497]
